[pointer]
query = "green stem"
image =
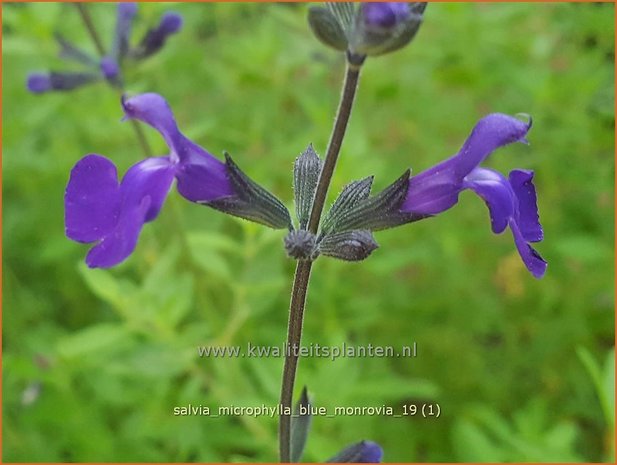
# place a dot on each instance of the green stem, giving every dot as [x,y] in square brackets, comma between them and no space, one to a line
[303,268]
[87,19]
[96,39]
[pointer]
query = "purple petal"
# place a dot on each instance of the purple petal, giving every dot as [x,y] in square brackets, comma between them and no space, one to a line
[496,191]
[92,199]
[155,38]
[170,23]
[372,452]
[532,259]
[436,189]
[151,178]
[142,191]
[38,83]
[120,243]
[432,192]
[504,205]
[385,14]
[528,220]
[109,68]
[97,209]
[490,133]
[360,452]
[201,176]
[153,110]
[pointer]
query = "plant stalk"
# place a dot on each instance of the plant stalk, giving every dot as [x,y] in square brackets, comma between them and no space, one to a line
[303,268]
[98,44]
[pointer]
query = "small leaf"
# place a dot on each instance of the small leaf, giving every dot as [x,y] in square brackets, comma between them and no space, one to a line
[352,246]
[99,339]
[306,176]
[300,426]
[251,201]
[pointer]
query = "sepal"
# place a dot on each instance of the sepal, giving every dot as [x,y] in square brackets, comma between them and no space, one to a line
[306,176]
[327,28]
[251,201]
[351,195]
[300,426]
[382,211]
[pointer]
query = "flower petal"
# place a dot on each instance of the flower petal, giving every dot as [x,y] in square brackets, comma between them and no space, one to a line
[385,14]
[436,189]
[153,110]
[109,68]
[152,178]
[120,243]
[528,220]
[92,199]
[136,201]
[532,259]
[201,176]
[432,192]
[38,83]
[360,452]
[155,38]
[490,133]
[496,191]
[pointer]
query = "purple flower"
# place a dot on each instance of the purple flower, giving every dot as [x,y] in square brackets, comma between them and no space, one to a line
[385,14]
[108,67]
[360,452]
[511,202]
[156,37]
[99,209]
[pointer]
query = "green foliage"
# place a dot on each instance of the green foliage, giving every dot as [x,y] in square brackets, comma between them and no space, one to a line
[95,361]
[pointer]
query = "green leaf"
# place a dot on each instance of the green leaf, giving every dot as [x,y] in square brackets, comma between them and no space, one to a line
[300,426]
[99,339]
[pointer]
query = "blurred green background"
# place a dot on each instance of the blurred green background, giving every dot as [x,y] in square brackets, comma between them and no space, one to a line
[523,370]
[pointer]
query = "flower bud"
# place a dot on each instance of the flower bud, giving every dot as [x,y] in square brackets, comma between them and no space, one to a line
[383,27]
[366,29]
[109,68]
[38,83]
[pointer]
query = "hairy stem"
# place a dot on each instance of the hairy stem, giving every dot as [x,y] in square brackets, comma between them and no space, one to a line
[96,39]
[303,268]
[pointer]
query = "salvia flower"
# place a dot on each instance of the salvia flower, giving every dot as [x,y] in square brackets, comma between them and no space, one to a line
[100,209]
[360,452]
[367,28]
[108,67]
[511,202]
